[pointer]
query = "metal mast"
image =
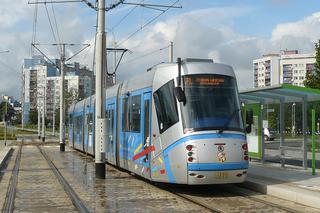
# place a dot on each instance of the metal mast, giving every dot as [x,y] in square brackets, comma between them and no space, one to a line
[171,52]
[62,119]
[100,65]
[43,113]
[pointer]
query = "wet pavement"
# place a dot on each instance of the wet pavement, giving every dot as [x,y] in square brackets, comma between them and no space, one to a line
[38,190]
[119,192]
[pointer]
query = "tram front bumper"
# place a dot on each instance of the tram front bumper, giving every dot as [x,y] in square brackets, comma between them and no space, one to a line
[216,177]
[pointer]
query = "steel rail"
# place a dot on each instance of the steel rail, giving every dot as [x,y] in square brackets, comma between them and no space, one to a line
[234,192]
[77,202]
[199,203]
[248,196]
[11,192]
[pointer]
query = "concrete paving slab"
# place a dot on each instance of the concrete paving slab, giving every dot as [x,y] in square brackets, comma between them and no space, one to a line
[290,183]
[4,153]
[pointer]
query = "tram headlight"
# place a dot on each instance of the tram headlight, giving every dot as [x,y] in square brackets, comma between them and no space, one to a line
[189,147]
[190,159]
[245,146]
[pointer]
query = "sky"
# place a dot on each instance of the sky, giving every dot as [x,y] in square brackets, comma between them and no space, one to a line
[233,32]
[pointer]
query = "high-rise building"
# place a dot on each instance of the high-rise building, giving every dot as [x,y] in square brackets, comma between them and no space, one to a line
[288,67]
[294,67]
[41,82]
[35,71]
[266,70]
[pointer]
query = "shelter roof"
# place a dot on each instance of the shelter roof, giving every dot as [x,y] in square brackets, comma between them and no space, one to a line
[274,94]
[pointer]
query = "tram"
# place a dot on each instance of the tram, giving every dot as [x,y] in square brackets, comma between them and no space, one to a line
[177,123]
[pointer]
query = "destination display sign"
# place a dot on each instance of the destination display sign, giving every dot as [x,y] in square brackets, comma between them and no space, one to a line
[203,80]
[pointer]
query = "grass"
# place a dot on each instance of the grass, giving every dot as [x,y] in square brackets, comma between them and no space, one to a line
[11,134]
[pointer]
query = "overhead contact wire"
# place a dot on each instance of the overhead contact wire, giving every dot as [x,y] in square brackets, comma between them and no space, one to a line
[147,54]
[57,29]
[145,25]
[52,30]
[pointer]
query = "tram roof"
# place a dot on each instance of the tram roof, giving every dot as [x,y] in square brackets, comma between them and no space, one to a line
[282,92]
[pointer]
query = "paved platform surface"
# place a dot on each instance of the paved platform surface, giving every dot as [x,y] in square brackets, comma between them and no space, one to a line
[39,191]
[290,183]
[121,192]
[4,152]
[4,144]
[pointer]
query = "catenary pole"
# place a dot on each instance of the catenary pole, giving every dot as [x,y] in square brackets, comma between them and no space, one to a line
[39,116]
[171,52]
[54,111]
[5,123]
[62,102]
[100,62]
[43,113]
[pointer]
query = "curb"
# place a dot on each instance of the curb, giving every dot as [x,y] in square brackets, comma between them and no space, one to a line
[4,156]
[285,191]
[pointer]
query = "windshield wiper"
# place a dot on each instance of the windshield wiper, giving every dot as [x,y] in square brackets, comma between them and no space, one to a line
[228,121]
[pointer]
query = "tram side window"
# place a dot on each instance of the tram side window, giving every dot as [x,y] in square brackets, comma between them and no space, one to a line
[166,106]
[146,122]
[135,113]
[78,123]
[125,115]
[110,121]
[70,120]
[90,123]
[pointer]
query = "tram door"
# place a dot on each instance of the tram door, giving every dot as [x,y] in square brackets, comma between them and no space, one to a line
[111,132]
[147,128]
[71,131]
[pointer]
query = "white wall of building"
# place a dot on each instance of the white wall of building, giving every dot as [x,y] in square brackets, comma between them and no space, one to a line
[287,68]
[266,70]
[294,67]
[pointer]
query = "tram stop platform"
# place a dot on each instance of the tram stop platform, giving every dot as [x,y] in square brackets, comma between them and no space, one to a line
[4,152]
[290,183]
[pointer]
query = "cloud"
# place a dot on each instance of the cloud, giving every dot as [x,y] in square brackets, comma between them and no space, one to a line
[205,33]
[16,23]
[193,37]
[304,28]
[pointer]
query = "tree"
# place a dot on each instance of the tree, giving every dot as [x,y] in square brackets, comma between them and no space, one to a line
[10,111]
[313,77]
[71,97]
[313,81]
[33,116]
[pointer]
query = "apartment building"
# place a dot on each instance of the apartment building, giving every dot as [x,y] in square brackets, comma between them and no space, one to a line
[266,70]
[294,66]
[41,84]
[288,67]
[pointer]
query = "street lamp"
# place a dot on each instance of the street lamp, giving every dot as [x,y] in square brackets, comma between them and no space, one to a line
[293,119]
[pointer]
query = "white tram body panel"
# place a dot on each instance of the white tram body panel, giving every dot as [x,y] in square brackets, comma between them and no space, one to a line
[150,133]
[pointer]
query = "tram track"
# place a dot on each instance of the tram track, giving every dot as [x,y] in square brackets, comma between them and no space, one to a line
[20,184]
[12,188]
[212,201]
[246,193]
[77,202]
[212,197]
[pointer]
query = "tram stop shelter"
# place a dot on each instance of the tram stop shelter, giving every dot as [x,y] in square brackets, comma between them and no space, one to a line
[278,94]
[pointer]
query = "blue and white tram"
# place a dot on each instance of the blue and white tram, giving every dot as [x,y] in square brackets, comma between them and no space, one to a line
[177,123]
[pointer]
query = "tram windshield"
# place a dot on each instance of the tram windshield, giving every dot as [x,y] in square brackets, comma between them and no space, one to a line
[212,103]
